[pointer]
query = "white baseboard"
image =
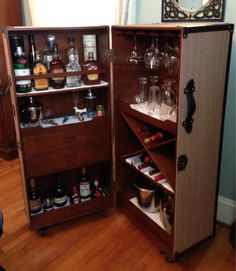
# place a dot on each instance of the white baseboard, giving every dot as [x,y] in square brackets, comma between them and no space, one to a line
[226,210]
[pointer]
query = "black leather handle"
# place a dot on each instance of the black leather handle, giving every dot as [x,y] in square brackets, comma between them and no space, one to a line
[187,123]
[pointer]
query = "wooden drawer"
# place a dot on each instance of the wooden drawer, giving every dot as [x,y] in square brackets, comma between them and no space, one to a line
[67,158]
[40,140]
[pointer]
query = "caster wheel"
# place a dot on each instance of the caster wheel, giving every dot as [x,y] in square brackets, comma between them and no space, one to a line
[162,253]
[42,232]
[169,259]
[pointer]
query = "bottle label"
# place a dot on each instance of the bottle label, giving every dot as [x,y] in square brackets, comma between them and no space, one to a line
[35,205]
[89,45]
[40,83]
[22,72]
[84,190]
[60,200]
[57,71]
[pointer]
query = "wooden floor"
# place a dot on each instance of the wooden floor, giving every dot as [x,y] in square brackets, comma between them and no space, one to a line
[107,241]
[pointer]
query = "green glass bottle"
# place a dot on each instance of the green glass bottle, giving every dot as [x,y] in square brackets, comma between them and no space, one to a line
[21,68]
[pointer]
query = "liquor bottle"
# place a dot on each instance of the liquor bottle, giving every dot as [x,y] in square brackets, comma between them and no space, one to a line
[34,198]
[48,52]
[47,202]
[56,66]
[84,186]
[97,190]
[90,104]
[21,68]
[89,45]
[59,197]
[91,66]
[40,68]
[32,51]
[75,195]
[155,137]
[73,64]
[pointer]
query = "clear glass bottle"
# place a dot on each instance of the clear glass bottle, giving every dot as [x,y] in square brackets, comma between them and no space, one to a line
[90,104]
[21,68]
[91,66]
[57,66]
[73,64]
[40,68]
[48,52]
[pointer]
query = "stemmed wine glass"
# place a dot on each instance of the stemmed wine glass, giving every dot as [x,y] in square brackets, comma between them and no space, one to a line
[168,104]
[152,56]
[134,56]
[174,58]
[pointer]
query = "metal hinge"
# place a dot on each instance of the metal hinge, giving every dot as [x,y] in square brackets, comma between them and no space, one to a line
[13,110]
[112,55]
[114,186]
[18,144]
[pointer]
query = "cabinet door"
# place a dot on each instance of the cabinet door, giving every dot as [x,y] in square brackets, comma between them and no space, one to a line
[65,137]
[10,15]
[204,59]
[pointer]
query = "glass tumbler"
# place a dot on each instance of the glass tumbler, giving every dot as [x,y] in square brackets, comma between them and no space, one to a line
[141,97]
[154,97]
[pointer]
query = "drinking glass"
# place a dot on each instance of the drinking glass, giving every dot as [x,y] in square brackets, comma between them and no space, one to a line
[154,97]
[174,58]
[141,97]
[134,56]
[168,98]
[152,56]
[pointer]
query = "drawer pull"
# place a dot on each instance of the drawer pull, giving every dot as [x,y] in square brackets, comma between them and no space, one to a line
[71,158]
[69,139]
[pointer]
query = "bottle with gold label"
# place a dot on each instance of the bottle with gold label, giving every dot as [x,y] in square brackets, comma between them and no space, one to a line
[40,68]
[91,66]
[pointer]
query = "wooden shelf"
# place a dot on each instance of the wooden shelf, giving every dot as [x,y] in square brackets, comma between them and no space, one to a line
[166,125]
[164,184]
[51,90]
[66,213]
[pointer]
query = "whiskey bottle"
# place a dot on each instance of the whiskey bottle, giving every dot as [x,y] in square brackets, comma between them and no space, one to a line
[73,64]
[47,202]
[21,68]
[84,186]
[75,195]
[60,197]
[40,68]
[91,66]
[56,66]
[34,198]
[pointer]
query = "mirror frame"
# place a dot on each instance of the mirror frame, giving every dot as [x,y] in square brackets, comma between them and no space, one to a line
[213,11]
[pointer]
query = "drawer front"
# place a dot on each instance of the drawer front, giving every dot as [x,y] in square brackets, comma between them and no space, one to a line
[56,138]
[68,158]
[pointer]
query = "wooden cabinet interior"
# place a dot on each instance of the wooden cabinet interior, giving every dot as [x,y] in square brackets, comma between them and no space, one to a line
[106,145]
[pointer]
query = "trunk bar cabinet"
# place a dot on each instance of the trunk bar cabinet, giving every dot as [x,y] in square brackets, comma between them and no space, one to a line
[187,156]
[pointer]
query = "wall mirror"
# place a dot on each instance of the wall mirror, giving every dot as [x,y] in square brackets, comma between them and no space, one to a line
[192,10]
